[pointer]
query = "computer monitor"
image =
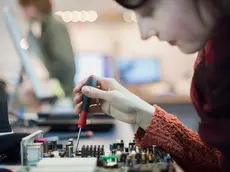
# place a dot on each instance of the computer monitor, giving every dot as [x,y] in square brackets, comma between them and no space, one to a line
[42,90]
[91,64]
[139,70]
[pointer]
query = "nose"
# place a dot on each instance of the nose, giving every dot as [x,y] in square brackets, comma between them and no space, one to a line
[145,37]
[146,29]
[148,34]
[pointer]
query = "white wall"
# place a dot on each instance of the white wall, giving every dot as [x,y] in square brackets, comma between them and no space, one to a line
[120,39]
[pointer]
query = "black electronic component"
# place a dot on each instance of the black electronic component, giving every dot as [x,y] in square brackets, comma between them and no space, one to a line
[95,151]
[59,146]
[69,151]
[45,147]
[54,145]
[49,146]
[62,153]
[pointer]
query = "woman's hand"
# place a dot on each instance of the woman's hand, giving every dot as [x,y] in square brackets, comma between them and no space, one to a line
[116,101]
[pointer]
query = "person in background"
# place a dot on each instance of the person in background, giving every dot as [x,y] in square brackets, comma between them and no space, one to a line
[54,41]
[191,25]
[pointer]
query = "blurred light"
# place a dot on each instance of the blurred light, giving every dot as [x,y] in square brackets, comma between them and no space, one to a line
[92,16]
[59,13]
[67,16]
[23,44]
[83,16]
[133,17]
[76,16]
[127,16]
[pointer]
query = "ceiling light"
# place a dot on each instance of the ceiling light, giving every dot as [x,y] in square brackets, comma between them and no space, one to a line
[76,16]
[67,16]
[92,16]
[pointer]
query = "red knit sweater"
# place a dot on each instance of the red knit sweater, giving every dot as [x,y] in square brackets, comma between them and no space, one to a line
[184,145]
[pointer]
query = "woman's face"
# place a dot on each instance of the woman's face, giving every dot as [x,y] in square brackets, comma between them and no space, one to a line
[179,22]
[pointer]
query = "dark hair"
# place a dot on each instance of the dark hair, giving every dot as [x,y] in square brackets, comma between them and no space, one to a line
[43,6]
[216,6]
[131,4]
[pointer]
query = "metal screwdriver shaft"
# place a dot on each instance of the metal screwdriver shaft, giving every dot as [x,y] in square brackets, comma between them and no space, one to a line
[78,137]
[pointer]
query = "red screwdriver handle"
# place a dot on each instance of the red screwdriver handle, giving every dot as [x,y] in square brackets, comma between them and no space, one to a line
[82,119]
[92,82]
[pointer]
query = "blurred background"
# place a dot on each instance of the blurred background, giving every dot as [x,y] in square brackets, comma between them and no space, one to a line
[106,42]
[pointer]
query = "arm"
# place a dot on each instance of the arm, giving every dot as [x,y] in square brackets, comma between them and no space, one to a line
[184,145]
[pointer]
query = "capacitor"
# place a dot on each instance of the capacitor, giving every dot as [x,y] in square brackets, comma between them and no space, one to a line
[133,154]
[151,158]
[67,144]
[71,141]
[147,151]
[69,152]
[143,158]
[118,153]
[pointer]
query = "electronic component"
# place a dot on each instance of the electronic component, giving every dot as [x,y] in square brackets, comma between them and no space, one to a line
[93,158]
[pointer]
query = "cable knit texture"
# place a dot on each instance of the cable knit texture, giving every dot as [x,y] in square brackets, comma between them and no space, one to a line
[184,145]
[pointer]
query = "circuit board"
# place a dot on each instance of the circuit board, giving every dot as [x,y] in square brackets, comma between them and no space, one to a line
[40,154]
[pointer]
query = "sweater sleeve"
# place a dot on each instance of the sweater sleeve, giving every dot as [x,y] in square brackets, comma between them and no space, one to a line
[184,145]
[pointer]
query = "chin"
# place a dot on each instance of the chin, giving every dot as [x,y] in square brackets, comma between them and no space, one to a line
[190,48]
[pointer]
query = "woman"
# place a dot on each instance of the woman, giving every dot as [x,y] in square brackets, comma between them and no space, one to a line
[191,25]
[55,42]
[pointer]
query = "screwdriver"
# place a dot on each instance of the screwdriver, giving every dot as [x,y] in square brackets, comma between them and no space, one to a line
[91,81]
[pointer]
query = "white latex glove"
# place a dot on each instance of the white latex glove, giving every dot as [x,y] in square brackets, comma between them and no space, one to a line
[115,100]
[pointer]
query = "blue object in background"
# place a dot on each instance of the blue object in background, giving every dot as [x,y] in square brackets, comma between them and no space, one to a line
[91,64]
[21,112]
[139,70]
